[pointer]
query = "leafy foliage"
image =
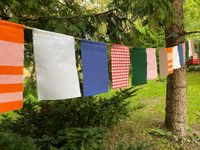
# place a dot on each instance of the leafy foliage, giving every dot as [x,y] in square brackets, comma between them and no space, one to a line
[192,14]
[84,138]
[138,146]
[78,122]
[10,141]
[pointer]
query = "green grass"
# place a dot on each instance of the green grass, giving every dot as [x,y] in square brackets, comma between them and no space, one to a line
[155,92]
[193,92]
[137,128]
[151,117]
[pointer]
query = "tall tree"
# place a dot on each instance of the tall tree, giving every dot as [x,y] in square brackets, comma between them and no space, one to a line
[167,15]
[164,17]
[176,102]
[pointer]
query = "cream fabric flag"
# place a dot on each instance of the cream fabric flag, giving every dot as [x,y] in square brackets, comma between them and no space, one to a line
[191,47]
[163,62]
[151,64]
[56,71]
[175,55]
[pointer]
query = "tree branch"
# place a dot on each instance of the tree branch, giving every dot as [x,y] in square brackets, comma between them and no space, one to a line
[180,34]
[66,18]
[192,32]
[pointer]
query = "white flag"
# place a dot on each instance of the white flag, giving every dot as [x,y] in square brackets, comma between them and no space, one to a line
[176,61]
[56,71]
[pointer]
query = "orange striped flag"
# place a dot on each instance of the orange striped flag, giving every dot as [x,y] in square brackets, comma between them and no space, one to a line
[169,61]
[11,66]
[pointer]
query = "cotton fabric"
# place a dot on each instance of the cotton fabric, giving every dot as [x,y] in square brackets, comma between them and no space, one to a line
[151,64]
[187,52]
[191,47]
[11,66]
[180,53]
[163,62]
[56,70]
[184,51]
[139,66]
[120,65]
[176,60]
[95,67]
[170,60]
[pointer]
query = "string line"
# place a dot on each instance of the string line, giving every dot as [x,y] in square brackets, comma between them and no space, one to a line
[108,44]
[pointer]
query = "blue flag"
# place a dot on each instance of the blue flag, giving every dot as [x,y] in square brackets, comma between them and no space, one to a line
[180,52]
[95,67]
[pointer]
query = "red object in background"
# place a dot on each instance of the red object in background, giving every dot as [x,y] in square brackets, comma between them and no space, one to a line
[194,60]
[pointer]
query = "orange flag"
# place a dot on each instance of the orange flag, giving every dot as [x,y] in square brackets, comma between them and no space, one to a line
[11,66]
[169,60]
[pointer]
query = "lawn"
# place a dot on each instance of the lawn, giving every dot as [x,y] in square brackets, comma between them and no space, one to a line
[154,93]
[143,128]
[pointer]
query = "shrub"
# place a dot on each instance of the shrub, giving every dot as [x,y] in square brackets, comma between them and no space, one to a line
[80,122]
[11,141]
[144,145]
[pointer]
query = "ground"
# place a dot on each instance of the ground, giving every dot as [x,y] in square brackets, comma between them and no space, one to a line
[144,128]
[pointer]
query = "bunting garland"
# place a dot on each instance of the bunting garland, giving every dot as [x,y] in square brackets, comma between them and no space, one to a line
[151,64]
[187,52]
[95,67]
[191,47]
[57,76]
[175,58]
[180,54]
[169,60]
[184,52]
[120,65]
[56,70]
[11,66]
[163,62]
[139,66]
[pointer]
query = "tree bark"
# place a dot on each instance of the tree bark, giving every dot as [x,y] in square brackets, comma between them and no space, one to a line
[176,103]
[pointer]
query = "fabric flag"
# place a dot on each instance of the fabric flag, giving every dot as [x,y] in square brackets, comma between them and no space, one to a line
[180,53]
[184,51]
[56,71]
[163,62]
[191,47]
[120,65]
[95,67]
[151,64]
[187,52]
[176,60]
[170,60]
[139,66]
[11,66]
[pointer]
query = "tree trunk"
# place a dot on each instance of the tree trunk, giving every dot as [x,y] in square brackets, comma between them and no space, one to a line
[176,103]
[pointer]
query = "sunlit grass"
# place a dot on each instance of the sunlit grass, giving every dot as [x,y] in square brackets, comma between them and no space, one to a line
[155,92]
[151,117]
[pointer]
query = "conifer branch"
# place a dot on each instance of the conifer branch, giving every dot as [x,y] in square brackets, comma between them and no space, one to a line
[192,32]
[65,18]
[10,7]
[184,33]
